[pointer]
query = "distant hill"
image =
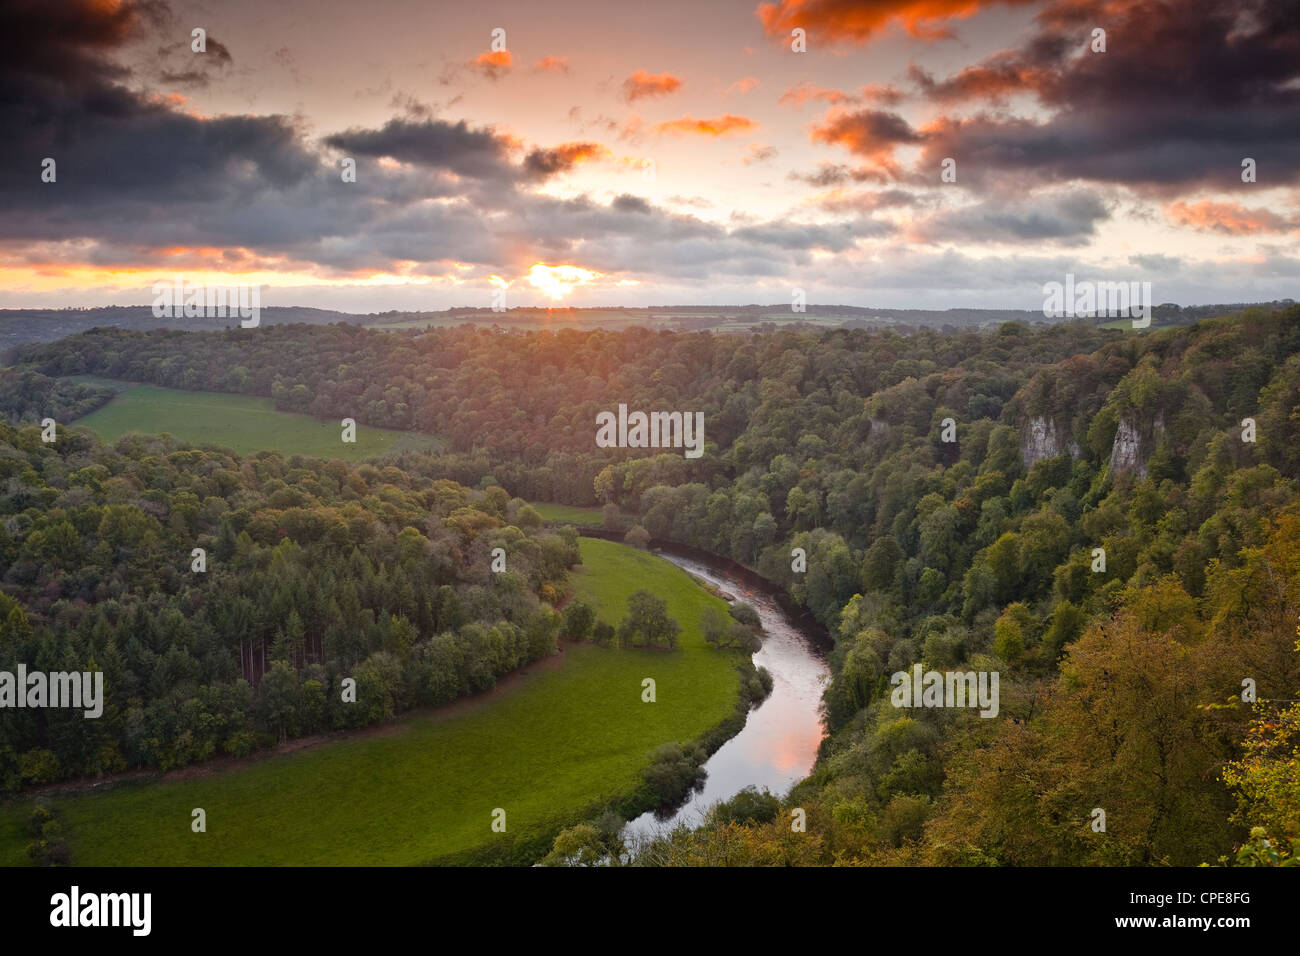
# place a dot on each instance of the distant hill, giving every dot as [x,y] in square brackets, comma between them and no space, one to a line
[22,326]
[26,326]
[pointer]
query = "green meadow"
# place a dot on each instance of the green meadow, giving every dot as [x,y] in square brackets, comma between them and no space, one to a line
[570,514]
[564,738]
[244,423]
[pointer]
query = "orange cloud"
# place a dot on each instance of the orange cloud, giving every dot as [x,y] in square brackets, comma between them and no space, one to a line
[743,85]
[494,64]
[872,134]
[562,158]
[885,93]
[642,84]
[552,64]
[798,95]
[1226,217]
[716,126]
[1002,76]
[857,21]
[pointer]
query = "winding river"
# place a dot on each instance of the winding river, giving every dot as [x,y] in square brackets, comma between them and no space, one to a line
[778,744]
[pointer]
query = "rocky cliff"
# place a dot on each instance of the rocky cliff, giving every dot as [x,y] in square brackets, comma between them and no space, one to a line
[1041,439]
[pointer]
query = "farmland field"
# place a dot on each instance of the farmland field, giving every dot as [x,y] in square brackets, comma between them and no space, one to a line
[569,734]
[244,423]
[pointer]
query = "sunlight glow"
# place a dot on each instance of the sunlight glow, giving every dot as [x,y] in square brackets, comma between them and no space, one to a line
[558,281]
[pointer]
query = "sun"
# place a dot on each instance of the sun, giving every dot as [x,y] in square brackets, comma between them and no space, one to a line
[556,282]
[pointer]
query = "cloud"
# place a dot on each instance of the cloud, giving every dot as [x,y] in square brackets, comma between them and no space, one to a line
[836,237]
[1192,89]
[641,85]
[1231,218]
[992,81]
[562,158]
[867,201]
[178,65]
[723,125]
[493,64]
[1067,217]
[552,64]
[886,94]
[858,21]
[629,203]
[759,153]
[142,185]
[826,174]
[871,134]
[743,85]
[804,91]
[459,148]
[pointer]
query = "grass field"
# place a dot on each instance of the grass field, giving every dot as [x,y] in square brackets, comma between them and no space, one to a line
[570,514]
[562,740]
[243,423]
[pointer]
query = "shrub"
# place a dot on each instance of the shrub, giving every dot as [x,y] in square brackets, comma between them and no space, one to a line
[745,614]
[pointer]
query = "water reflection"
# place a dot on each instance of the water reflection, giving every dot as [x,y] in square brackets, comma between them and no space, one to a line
[778,745]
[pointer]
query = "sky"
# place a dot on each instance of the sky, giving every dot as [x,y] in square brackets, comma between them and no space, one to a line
[881,153]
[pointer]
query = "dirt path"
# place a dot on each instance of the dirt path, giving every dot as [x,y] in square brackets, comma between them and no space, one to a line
[457,708]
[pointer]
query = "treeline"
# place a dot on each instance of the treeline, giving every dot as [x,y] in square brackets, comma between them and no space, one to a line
[307,573]
[28,396]
[521,407]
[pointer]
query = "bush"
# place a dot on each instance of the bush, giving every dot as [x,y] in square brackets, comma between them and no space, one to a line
[602,633]
[745,614]
[674,771]
[48,849]
[579,618]
[743,638]
[750,805]
[903,819]
[647,622]
[714,626]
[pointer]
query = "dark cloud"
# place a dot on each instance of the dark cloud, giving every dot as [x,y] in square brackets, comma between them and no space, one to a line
[1183,92]
[560,159]
[1066,218]
[457,147]
[629,203]
[837,237]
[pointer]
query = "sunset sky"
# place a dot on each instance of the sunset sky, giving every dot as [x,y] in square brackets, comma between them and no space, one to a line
[649,153]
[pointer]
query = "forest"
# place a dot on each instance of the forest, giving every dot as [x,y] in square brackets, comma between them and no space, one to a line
[1176,454]
[226,600]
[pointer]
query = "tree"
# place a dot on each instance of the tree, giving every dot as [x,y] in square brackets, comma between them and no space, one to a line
[1266,777]
[579,618]
[279,699]
[714,625]
[647,619]
[580,845]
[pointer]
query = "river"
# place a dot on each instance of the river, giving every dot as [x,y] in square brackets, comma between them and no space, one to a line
[778,744]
